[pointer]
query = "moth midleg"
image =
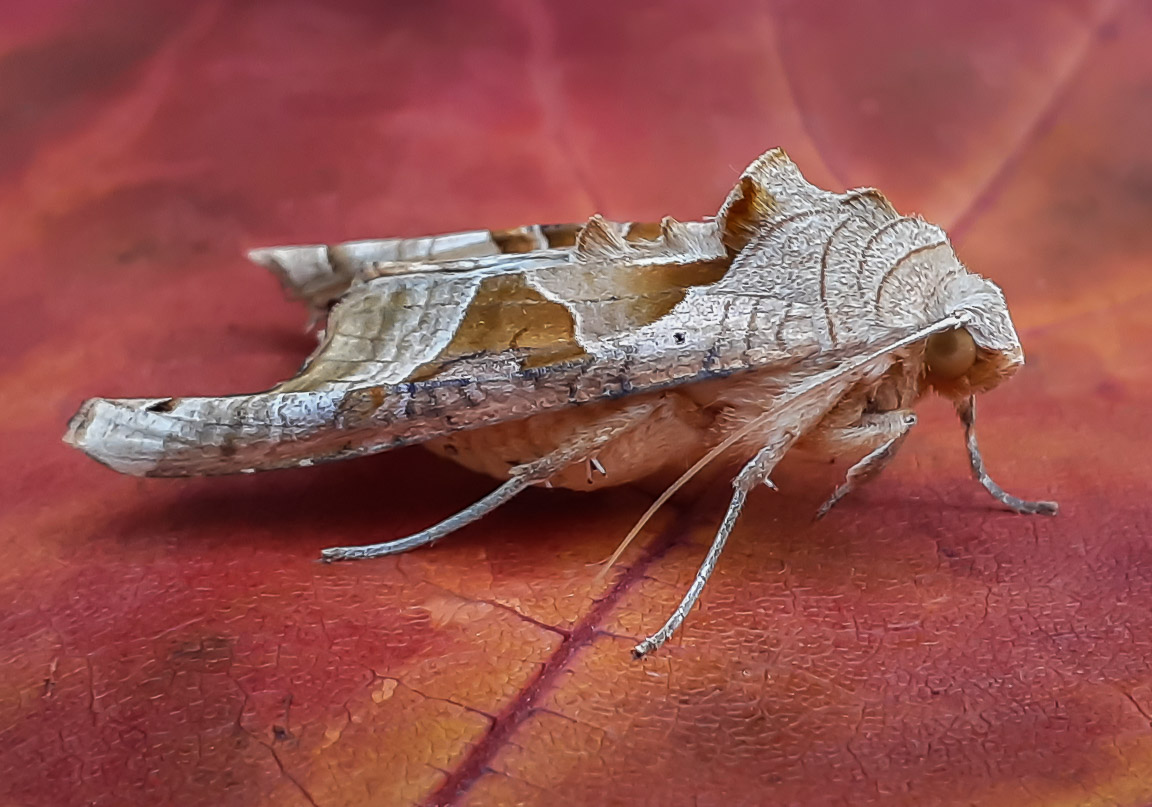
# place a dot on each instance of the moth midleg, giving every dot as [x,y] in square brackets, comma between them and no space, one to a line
[881,434]
[580,447]
[966,409]
[752,474]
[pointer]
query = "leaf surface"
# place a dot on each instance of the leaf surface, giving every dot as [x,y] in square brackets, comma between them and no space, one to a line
[177,642]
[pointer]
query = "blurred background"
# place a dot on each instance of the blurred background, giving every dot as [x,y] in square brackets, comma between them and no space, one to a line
[176,642]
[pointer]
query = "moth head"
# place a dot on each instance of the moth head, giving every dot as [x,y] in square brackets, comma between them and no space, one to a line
[981,354]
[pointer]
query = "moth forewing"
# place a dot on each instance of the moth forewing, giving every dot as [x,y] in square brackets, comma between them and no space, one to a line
[593,355]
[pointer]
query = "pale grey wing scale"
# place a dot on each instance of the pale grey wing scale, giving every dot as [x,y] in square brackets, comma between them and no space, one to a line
[383,330]
[205,436]
[195,436]
[320,274]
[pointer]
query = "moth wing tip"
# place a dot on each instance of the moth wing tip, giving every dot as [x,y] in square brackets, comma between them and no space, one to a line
[261,256]
[104,430]
[74,435]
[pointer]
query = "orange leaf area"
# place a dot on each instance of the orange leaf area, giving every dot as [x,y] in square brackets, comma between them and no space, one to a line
[176,641]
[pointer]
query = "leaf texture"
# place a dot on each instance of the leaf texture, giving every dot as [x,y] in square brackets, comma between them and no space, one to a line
[176,641]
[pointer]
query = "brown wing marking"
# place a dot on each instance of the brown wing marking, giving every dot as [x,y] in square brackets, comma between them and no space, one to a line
[508,316]
[611,285]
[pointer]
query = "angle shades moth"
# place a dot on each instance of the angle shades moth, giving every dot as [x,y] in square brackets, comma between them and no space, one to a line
[599,354]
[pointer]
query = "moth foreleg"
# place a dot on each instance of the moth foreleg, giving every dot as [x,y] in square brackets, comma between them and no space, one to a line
[751,475]
[579,447]
[880,434]
[966,409]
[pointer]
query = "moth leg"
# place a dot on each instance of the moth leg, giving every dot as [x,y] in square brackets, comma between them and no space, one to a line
[966,409]
[752,474]
[576,449]
[434,533]
[883,434]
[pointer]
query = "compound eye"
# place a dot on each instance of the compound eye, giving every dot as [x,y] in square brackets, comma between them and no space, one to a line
[950,354]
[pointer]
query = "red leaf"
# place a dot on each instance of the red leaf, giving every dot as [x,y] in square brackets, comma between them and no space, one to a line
[177,642]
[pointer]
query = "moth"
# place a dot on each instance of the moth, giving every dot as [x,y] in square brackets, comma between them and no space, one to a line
[587,356]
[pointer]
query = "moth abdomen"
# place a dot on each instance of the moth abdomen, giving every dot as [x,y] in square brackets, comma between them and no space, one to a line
[677,430]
